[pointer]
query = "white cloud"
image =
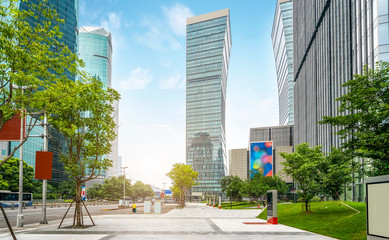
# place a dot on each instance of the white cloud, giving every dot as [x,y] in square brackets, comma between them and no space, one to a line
[171,82]
[113,21]
[138,79]
[157,37]
[176,17]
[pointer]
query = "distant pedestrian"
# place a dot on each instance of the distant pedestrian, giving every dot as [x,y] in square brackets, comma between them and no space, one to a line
[133,207]
[264,203]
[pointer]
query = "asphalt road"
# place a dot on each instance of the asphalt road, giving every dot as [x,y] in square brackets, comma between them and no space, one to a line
[32,215]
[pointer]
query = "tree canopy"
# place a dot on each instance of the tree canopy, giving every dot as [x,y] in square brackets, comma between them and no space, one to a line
[85,118]
[258,185]
[9,176]
[304,166]
[364,117]
[31,56]
[183,178]
[232,186]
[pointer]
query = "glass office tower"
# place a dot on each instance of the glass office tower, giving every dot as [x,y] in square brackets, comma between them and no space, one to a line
[208,46]
[67,10]
[282,39]
[333,40]
[95,49]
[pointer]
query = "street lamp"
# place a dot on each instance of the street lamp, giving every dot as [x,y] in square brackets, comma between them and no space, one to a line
[19,220]
[124,185]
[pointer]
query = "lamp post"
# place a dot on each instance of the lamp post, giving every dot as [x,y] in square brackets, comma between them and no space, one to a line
[124,185]
[19,219]
[44,187]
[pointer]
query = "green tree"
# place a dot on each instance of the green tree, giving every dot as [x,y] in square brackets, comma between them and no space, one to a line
[364,117]
[95,191]
[337,171]
[141,190]
[31,55]
[258,185]
[304,166]
[113,187]
[232,186]
[183,178]
[85,117]
[67,189]
[10,176]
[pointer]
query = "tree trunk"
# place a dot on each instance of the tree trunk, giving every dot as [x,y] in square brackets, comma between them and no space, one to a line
[306,206]
[78,205]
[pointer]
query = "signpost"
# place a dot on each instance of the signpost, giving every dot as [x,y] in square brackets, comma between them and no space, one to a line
[272,207]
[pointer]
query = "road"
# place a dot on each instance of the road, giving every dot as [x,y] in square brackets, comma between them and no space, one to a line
[32,215]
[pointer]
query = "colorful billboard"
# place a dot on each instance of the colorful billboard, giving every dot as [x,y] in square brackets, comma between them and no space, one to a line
[261,157]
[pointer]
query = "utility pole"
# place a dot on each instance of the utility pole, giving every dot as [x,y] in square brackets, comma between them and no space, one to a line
[19,219]
[124,186]
[44,187]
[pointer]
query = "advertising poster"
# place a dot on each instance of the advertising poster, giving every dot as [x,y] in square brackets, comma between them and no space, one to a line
[83,193]
[261,157]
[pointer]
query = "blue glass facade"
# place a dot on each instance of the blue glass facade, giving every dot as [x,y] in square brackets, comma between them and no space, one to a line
[67,10]
[95,48]
[208,48]
[56,142]
[282,39]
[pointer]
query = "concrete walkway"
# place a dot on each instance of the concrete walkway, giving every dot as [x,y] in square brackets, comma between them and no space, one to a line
[196,221]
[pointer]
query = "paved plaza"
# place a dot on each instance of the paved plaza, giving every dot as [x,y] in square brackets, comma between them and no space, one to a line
[196,221]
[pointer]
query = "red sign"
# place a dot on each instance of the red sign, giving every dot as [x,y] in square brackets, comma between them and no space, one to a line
[43,165]
[162,195]
[11,129]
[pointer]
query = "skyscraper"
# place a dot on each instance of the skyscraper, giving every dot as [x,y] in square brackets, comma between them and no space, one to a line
[282,39]
[333,40]
[67,10]
[95,49]
[208,46]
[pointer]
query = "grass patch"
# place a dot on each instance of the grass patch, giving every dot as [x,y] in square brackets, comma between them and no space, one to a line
[238,205]
[327,218]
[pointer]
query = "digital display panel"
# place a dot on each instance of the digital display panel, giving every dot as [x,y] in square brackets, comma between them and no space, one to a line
[261,158]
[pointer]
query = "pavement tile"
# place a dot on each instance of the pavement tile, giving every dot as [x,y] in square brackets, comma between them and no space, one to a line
[196,221]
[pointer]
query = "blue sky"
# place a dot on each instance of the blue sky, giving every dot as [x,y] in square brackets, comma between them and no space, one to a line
[149,72]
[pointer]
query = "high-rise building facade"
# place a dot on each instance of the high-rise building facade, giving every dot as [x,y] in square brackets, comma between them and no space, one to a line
[238,163]
[67,10]
[208,46]
[282,139]
[333,40]
[95,49]
[282,39]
